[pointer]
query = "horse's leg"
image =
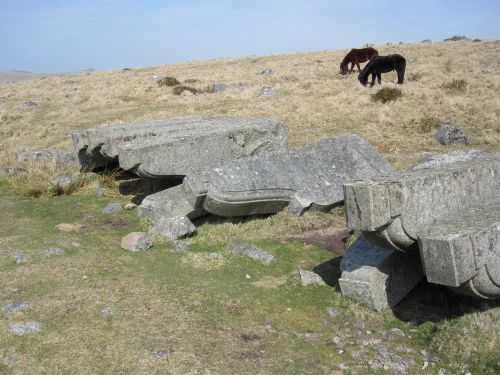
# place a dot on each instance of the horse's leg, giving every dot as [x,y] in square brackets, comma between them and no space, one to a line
[373,79]
[357,64]
[352,66]
[379,77]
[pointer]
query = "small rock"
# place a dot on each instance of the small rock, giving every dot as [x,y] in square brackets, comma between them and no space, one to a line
[390,362]
[268,91]
[66,180]
[136,241]
[216,87]
[67,158]
[105,312]
[159,353]
[10,171]
[130,206]
[65,227]
[332,312]
[247,276]
[19,257]
[99,192]
[359,324]
[310,278]
[174,228]
[433,160]
[338,341]
[16,306]
[30,104]
[251,251]
[497,365]
[450,134]
[32,155]
[266,72]
[20,329]
[53,251]
[112,208]
[397,332]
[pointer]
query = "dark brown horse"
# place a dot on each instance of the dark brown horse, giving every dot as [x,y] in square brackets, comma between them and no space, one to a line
[383,64]
[356,56]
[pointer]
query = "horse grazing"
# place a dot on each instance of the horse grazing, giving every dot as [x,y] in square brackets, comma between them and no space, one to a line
[383,64]
[356,56]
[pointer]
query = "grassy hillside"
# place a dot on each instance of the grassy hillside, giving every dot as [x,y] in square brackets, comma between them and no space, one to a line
[202,310]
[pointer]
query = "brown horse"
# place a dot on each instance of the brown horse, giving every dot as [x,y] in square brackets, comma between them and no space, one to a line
[383,64]
[356,56]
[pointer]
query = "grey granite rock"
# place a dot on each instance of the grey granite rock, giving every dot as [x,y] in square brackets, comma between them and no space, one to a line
[378,276]
[301,178]
[389,362]
[201,143]
[451,208]
[450,134]
[112,208]
[463,250]
[24,328]
[167,204]
[434,160]
[11,171]
[53,251]
[29,154]
[333,312]
[19,257]
[130,206]
[17,306]
[136,241]
[268,91]
[310,278]
[173,228]
[251,251]
[67,158]
[66,180]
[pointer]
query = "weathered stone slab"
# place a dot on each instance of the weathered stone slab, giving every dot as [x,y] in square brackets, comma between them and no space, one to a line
[251,251]
[168,203]
[200,143]
[302,178]
[463,250]
[402,206]
[378,276]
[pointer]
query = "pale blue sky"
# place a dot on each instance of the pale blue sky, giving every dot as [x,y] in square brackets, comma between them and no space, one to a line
[68,35]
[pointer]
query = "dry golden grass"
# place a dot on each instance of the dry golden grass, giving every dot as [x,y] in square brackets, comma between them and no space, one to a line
[314,100]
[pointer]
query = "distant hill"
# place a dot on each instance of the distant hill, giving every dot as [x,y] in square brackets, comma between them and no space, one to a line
[20,75]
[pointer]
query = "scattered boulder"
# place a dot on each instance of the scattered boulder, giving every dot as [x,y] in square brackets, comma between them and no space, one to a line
[136,241]
[53,251]
[105,312]
[19,257]
[67,158]
[173,228]
[21,329]
[30,104]
[310,278]
[215,88]
[35,155]
[17,306]
[11,171]
[266,72]
[251,251]
[159,353]
[268,91]
[130,206]
[112,208]
[450,134]
[66,180]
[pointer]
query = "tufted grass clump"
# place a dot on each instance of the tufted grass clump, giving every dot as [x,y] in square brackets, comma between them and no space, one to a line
[429,123]
[178,90]
[455,85]
[387,94]
[168,81]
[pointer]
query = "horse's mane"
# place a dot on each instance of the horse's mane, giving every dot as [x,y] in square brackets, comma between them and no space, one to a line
[365,70]
[346,59]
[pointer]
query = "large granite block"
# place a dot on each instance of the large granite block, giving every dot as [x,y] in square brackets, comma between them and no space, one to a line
[377,275]
[463,250]
[207,143]
[100,146]
[302,178]
[401,206]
